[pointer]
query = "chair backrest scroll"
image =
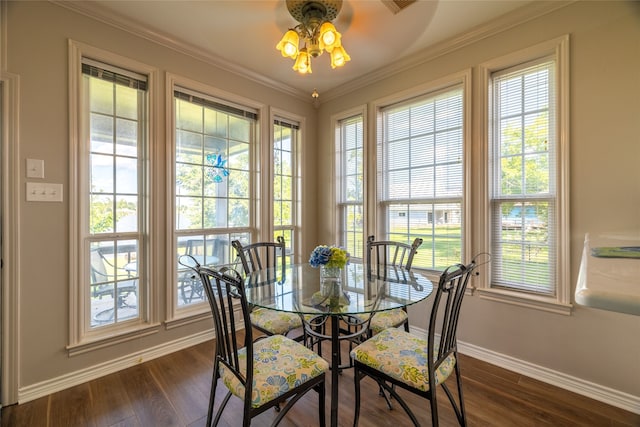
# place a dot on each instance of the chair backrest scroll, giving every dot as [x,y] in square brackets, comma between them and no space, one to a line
[261,255]
[446,312]
[385,253]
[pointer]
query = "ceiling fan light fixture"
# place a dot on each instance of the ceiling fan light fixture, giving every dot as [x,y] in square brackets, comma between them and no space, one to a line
[316,30]
[329,36]
[288,45]
[339,57]
[303,62]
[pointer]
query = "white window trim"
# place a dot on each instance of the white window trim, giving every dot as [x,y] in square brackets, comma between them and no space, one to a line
[275,113]
[195,312]
[561,303]
[10,98]
[336,171]
[463,78]
[81,339]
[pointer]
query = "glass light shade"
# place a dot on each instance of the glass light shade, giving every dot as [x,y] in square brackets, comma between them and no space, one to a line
[329,37]
[288,46]
[339,57]
[303,62]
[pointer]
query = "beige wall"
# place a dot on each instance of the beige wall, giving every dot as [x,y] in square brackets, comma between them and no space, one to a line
[592,345]
[37,51]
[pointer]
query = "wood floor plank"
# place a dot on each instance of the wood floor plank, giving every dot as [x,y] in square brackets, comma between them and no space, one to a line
[71,407]
[150,404]
[109,408]
[581,403]
[178,376]
[30,414]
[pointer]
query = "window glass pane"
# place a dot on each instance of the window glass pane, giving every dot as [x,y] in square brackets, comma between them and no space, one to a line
[113,282]
[100,96]
[127,105]
[101,133]
[209,249]
[188,213]
[101,173]
[126,175]
[188,146]
[188,179]
[126,214]
[215,212]
[239,128]
[238,213]
[101,214]
[126,137]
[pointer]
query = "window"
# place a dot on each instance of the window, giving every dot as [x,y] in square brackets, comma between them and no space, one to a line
[214,140]
[109,291]
[350,147]
[285,142]
[421,174]
[526,168]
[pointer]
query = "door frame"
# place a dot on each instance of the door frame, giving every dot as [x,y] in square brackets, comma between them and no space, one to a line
[10,213]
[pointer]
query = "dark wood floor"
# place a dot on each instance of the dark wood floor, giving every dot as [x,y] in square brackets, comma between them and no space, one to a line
[173,391]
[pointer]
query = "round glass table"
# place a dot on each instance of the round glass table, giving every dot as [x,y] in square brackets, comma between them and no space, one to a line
[300,289]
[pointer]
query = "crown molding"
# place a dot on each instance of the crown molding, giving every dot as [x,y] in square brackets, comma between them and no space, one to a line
[517,17]
[503,23]
[105,16]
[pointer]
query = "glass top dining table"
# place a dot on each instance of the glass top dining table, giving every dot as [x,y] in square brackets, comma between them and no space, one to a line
[299,289]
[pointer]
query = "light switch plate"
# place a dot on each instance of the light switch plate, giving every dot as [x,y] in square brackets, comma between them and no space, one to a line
[35,168]
[44,192]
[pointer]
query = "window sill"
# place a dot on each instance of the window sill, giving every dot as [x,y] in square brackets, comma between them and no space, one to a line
[98,342]
[524,300]
[191,317]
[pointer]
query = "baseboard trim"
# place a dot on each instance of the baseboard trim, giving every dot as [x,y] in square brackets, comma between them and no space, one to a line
[589,389]
[44,388]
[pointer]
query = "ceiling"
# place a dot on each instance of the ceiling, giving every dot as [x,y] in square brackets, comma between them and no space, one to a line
[241,35]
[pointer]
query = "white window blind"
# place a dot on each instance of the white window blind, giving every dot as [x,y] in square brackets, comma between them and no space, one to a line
[523,184]
[420,173]
[351,186]
[285,141]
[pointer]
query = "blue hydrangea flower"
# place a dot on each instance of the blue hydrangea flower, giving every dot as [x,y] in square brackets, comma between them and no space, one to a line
[320,256]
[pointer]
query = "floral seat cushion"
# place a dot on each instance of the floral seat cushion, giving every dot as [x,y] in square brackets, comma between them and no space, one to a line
[277,322]
[401,356]
[385,319]
[279,364]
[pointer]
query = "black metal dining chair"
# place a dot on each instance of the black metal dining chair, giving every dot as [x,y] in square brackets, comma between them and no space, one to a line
[258,256]
[395,357]
[264,373]
[382,254]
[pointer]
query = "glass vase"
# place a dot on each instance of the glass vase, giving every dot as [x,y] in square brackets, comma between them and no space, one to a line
[330,281]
